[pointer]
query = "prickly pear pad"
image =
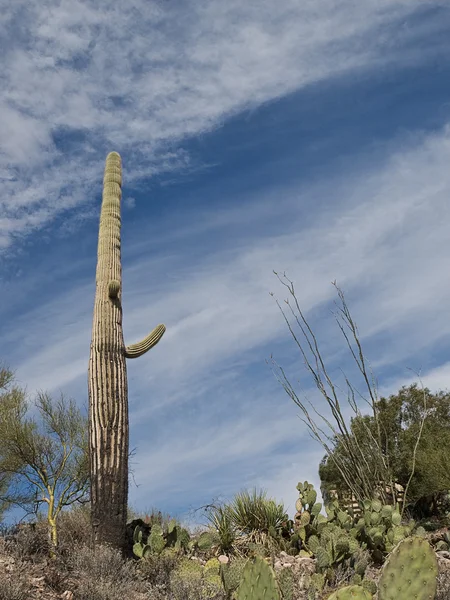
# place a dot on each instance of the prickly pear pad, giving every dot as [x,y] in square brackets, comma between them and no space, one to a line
[410,572]
[351,592]
[258,582]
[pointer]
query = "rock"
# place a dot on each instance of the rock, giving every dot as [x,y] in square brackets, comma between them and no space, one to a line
[306,563]
[223,559]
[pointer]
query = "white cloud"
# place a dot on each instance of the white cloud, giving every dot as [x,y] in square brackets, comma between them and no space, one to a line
[383,243]
[140,77]
[435,379]
[130,202]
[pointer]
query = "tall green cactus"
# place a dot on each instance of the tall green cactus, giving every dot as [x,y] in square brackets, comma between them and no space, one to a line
[410,572]
[107,376]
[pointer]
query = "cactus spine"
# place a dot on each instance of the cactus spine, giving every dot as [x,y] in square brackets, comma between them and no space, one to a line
[107,377]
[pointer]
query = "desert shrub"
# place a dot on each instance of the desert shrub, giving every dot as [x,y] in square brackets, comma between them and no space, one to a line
[156,570]
[30,543]
[103,563]
[74,528]
[187,590]
[13,585]
[13,588]
[151,517]
[103,574]
[91,589]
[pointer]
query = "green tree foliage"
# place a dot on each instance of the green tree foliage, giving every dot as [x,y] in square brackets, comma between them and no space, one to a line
[43,452]
[400,418]
[9,395]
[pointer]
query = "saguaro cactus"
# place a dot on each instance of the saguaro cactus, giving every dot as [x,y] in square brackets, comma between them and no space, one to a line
[107,376]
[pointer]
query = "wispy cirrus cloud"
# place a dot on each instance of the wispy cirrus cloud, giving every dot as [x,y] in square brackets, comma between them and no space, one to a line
[80,78]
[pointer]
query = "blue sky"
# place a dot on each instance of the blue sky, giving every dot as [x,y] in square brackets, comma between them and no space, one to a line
[309,137]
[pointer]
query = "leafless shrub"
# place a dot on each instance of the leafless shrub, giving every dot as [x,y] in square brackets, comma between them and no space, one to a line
[104,575]
[103,563]
[13,585]
[12,588]
[74,528]
[31,543]
[362,461]
[156,570]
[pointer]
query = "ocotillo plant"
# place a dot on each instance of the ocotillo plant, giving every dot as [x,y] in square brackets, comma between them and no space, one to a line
[108,393]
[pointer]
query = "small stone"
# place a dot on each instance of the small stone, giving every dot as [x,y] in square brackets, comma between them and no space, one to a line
[288,560]
[223,559]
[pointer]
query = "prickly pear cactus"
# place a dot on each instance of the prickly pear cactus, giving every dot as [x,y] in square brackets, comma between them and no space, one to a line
[334,546]
[316,585]
[156,539]
[286,583]
[258,582]
[351,592]
[410,572]
[231,574]
[307,519]
[380,528]
[207,540]
[212,583]
[140,549]
[188,573]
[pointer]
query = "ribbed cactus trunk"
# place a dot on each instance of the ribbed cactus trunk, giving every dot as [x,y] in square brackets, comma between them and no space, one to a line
[107,375]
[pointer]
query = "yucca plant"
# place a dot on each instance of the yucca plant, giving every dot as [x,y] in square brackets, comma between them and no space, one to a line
[249,521]
[222,522]
[254,511]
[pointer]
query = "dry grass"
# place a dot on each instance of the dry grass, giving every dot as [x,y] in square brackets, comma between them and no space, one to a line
[12,584]
[102,574]
[13,589]
[74,528]
[156,571]
[30,544]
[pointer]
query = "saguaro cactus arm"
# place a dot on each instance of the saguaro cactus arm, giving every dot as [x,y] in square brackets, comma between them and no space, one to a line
[135,350]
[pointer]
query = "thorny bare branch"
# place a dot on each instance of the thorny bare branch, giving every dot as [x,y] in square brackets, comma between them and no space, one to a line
[364,461]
